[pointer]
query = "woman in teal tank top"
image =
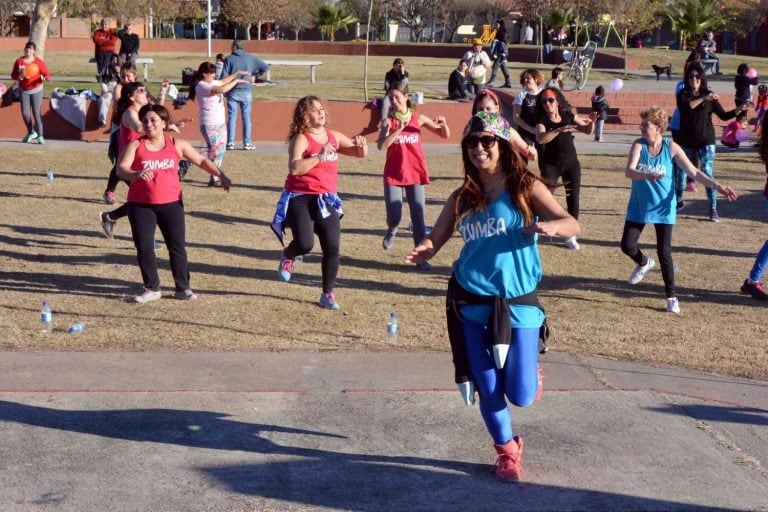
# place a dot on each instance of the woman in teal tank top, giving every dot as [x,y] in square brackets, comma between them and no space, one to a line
[498,210]
[653,198]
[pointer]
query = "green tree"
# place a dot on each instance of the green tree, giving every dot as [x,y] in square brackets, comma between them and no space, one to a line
[741,16]
[692,17]
[41,18]
[299,14]
[331,19]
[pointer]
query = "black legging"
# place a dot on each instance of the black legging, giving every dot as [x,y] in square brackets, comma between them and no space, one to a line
[170,219]
[305,220]
[629,247]
[570,172]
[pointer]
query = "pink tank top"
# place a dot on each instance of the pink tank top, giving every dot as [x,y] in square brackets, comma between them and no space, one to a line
[126,135]
[322,178]
[405,164]
[164,187]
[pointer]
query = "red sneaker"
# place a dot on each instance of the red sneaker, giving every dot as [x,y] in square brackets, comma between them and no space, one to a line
[509,463]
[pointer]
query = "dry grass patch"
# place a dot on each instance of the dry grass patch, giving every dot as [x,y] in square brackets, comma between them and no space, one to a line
[52,247]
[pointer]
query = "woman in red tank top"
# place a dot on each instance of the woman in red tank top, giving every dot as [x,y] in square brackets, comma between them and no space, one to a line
[405,166]
[151,165]
[309,203]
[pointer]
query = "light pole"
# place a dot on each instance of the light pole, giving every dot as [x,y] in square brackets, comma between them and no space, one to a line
[386,19]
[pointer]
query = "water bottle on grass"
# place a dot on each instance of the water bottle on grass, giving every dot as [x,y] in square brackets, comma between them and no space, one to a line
[392,328]
[46,318]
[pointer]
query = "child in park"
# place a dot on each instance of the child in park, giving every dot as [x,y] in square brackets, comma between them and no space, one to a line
[735,132]
[600,105]
[761,105]
[746,77]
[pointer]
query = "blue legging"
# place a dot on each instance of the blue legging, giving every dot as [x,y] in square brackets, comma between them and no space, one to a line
[761,262]
[517,380]
[706,157]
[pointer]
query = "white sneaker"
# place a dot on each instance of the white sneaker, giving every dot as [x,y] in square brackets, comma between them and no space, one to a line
[147,296]
[672,305]
[639,273]
[572,243]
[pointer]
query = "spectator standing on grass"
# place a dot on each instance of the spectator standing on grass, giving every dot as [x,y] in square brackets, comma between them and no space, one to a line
[151,165]
[241,96]
[499,54]
[129,44]
[105,41]
[30,72]
[478,62]
[529,33]
[459,84]
[396,75]
[405,167]
[548,41]
[600,105]
[752,284]
[697,134]
[558,160]
[652,198]
[209,94]
[309,203]
[498,268]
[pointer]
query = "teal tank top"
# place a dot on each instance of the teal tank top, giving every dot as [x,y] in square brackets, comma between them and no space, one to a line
[653,202]
[499,260]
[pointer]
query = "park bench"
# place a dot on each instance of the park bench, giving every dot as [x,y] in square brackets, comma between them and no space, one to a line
[311,63]
[708,65]
[145,61]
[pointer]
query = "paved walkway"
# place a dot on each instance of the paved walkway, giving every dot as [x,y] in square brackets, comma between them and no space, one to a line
[367,431]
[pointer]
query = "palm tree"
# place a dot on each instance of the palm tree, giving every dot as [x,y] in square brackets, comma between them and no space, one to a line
[691,17]
[331,19]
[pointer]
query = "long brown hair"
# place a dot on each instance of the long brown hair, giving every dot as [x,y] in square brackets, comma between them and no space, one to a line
[205,67]
[518,182]
[300,122]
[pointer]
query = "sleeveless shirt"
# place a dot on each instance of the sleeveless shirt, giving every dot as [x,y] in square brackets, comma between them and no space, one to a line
[653,202]
[165,186]
[405,163]
[323,177]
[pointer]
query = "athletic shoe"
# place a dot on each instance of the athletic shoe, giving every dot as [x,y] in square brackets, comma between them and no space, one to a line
[41,140]
[639,273]
[509,463]
[28,137]
[756,290]
[185,295]
[389,239]
[214,182]
[285,269]
[109,197]
[672,305]
[249,147]
[328,301]
[107,224]
[147,296]
[424,266]
[691,186]
[230,145]
[680,205]
[540,382]
[713,216]
[572,243]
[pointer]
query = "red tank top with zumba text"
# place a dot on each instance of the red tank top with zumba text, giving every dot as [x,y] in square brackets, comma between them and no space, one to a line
[405,164]
[322,178]
[164,187]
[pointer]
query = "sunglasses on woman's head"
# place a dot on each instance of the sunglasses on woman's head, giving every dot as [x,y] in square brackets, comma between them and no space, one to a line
[488,141]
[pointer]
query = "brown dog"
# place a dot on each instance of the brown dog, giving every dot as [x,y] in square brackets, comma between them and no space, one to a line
[663,69]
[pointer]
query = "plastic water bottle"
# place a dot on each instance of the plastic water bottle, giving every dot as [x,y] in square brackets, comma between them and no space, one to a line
[49,176]
[392,328]
[46,318]
[76,328]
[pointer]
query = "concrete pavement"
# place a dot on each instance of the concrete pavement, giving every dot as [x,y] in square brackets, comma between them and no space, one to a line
[367,431]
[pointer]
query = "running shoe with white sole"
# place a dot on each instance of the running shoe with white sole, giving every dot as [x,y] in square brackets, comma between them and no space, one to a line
[641,270]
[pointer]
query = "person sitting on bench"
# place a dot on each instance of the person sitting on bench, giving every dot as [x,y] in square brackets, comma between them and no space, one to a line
[707,48]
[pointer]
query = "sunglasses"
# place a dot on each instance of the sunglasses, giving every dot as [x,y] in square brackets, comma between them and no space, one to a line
[488,141]
[694,75]
[549,99]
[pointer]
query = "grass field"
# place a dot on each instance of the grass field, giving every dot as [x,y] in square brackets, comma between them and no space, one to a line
[343,77]
[52,248]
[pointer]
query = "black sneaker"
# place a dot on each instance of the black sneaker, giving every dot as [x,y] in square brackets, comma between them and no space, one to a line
[214,182]
[756,290]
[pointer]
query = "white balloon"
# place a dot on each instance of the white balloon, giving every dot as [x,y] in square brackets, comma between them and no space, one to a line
[617,84]
[566,55]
